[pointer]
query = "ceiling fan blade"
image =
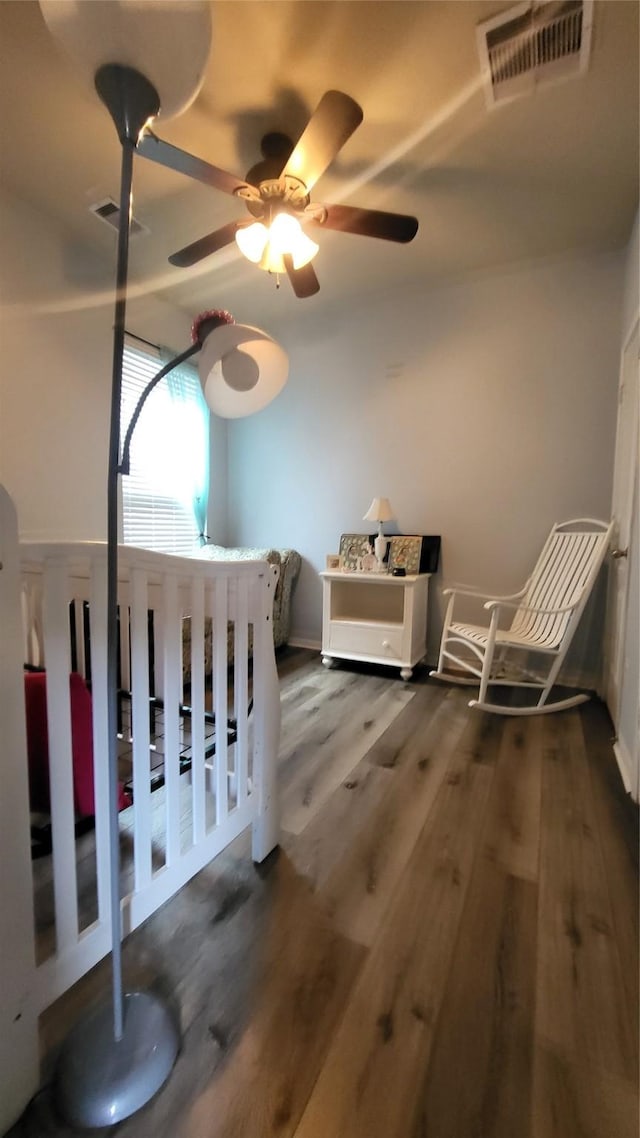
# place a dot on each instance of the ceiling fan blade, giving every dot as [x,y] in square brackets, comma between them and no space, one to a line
[303,281]
[331,124]
[370,223]
[195,252]
[175,159]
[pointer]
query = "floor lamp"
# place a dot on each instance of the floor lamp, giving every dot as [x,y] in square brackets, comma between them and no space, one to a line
[119,1056]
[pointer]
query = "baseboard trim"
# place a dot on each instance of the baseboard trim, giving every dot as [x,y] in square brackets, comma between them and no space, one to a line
[623,759]
[302,642]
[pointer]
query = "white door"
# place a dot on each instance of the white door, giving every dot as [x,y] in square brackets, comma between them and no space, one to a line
[623,697]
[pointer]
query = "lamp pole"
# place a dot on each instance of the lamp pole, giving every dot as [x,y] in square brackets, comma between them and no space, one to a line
[120,1055]
[131,100]
[116,1059]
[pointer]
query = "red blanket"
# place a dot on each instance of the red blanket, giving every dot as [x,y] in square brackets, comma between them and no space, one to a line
[35,690]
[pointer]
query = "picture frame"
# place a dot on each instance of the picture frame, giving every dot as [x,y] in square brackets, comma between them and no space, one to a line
[416,553]
[353,547]
[404,553]
[333,561]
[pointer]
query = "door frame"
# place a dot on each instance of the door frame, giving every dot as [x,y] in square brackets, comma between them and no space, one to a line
[624,483]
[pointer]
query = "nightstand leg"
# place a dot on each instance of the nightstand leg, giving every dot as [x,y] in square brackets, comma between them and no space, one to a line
[329,662]
[406,674]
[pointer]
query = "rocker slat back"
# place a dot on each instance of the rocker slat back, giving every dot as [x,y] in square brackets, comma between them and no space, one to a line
[562,579]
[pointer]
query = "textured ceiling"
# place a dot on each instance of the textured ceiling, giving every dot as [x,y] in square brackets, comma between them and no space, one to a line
[538,177]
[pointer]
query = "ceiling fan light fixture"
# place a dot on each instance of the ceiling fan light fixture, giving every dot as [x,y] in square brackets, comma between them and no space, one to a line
[266,247]
[286,236]
[251,241]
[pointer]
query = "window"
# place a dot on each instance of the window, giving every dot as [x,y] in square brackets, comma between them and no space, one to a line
[164,497]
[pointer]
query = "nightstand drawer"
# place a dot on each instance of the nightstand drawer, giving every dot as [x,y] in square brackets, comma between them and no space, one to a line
[365,639]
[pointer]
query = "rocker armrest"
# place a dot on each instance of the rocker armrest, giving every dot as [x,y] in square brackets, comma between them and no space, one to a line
[470,591]
[498,604]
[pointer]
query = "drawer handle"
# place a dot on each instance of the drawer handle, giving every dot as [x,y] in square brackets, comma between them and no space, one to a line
[386,644]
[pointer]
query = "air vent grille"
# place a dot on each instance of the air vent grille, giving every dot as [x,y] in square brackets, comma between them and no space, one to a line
[533,44]
[109,211]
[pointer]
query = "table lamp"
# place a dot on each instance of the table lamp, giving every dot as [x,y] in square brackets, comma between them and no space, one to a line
[379,511]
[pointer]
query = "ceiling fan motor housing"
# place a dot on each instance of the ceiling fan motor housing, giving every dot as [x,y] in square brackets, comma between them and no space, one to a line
[281,194]
[277,192]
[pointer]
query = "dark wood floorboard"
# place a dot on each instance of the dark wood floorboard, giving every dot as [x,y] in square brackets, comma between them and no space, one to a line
[617,820]
[478,1082]
[581,1005]
[371,1089]
[444,946]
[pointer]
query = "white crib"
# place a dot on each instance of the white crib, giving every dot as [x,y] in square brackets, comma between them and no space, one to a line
[225,788]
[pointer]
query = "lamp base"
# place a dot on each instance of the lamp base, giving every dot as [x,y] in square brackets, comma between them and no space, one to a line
[101,1080]
[380,547]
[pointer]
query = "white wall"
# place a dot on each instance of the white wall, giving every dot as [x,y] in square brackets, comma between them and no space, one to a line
[631,297]
[55,377]
[484,410]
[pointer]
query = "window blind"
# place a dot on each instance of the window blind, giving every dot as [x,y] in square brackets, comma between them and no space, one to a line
[157,495]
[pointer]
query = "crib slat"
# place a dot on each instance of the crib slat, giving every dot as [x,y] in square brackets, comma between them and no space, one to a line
[172,698]
[221,697]
[78,637]
[98,635]
[58,657]
[198,773]
[125,636]
[139,632]
[240,687]
[31,598]
[266,717]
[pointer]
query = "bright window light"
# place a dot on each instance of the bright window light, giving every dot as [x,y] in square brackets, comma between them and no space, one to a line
[169,455]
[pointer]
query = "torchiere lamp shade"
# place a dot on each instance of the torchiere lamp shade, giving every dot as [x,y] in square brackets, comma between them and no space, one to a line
[167,41]
[241,370]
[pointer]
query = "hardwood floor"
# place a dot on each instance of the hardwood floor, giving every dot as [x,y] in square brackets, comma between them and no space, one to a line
[445,945]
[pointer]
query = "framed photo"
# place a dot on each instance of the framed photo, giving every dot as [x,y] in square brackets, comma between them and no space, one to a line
[333,561]
[415,554]
[353,547]
[404,553]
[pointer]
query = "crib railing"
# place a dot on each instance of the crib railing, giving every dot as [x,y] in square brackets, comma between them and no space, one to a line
[18,1018]
[206,801]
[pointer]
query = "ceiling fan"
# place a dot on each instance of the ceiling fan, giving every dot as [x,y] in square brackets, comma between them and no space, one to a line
[277,195]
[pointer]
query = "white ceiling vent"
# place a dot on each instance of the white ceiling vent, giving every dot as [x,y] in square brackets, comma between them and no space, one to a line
[540,42]
[109,211]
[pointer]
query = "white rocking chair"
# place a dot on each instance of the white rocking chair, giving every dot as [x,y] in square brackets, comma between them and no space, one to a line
[546,614]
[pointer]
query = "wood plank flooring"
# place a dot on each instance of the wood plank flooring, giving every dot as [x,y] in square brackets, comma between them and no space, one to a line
[444,946]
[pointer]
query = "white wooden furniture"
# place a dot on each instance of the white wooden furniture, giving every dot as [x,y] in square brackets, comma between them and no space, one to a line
[544,616]
[202,811]
[374,617]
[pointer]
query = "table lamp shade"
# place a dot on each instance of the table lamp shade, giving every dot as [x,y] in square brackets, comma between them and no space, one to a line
[379,511]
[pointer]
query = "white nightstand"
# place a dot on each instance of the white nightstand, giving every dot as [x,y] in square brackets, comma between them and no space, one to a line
[374,617]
